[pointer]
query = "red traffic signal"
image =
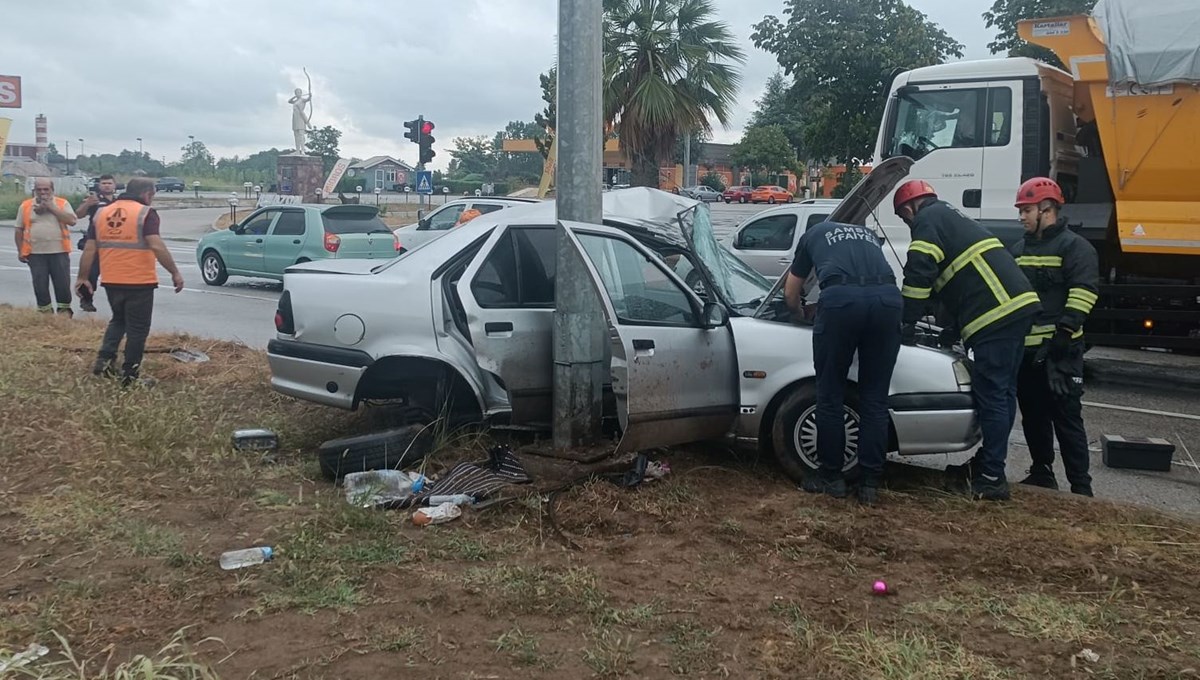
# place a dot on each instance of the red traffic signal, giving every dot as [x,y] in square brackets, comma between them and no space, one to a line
[426,128]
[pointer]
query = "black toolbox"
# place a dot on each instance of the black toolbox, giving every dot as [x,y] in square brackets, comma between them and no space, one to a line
[1137,453]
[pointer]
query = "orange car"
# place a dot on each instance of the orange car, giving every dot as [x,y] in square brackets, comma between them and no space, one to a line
[770,194]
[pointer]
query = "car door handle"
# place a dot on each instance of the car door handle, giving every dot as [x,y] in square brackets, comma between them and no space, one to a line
[785,260]
[643,348]
[258,240]
[498,329]
[296,241]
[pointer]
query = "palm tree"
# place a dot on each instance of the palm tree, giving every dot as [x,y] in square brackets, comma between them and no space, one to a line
[669,70]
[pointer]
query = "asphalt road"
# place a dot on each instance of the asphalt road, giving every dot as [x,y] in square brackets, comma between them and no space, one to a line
[243,310]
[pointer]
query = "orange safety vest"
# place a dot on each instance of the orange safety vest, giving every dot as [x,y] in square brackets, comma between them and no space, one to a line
[125,258]
[25,213]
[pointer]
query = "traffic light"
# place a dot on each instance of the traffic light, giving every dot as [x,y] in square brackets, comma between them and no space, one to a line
[426,141]
[414,131]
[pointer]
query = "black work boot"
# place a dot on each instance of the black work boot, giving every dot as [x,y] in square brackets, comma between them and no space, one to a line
[104,368]
[1040,475]
[1082,489]
[821,481]
[986,488]
[868,495]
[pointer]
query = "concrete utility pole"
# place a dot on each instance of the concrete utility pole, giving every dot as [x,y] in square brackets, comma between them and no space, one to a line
[580,331]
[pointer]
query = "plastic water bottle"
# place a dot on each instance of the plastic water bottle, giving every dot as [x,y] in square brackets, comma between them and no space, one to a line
[236,559]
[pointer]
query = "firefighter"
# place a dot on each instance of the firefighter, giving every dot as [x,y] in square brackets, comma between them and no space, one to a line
[991,304]
[1064,270]
[858,312]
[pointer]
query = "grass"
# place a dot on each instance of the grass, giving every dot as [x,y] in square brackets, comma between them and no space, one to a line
[115,505]
[174,661]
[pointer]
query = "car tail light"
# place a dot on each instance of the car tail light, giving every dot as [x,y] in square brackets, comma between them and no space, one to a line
[284,322]
[332,242]
[399,248]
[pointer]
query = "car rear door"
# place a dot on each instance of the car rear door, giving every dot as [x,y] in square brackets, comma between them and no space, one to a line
[285,240]
[674,375]
[767,243]
[507,293]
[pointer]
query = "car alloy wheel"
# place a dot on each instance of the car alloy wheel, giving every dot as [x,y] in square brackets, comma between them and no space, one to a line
[771,200]
[212,269]
[804,437]
[741,199]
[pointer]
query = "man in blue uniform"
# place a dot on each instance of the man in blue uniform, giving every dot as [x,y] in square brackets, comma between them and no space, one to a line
[858,311]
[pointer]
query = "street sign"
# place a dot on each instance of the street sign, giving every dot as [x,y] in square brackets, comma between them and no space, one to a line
[424,181]
[10,92]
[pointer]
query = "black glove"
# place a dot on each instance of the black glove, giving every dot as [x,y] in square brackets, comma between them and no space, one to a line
[1043,351]
[1060,374]
[948,337]
[1060,343]
[908,334]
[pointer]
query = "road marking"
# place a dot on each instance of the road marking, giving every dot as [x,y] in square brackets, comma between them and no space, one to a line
[218,292]
[1131,409]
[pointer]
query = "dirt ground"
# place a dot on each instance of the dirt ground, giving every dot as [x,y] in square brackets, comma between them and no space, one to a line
[115,505]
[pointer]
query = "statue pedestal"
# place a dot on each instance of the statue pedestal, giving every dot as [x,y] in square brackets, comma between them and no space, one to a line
[300,176]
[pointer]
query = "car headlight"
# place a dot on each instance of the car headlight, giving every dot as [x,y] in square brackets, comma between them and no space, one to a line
[962,375]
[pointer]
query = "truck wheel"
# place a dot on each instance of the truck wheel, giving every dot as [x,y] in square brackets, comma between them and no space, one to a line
[794,432]
[212,269]
[386,450]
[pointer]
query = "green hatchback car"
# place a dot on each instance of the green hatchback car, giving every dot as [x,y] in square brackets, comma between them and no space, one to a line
[273,238]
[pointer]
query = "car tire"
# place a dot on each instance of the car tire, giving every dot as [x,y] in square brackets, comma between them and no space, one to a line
[771,201]
[794,433]
[727,201]
[212,269]
[742,199]
[387,450]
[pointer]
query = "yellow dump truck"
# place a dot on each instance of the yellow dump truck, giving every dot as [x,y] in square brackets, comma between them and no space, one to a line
[1120,132]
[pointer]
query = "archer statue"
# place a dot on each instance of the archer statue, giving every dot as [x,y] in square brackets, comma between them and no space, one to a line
[301,121]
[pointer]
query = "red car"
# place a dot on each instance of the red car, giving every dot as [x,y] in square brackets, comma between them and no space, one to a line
[739,194]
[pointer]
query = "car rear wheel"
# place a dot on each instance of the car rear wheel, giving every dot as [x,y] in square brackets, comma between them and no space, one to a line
[212,269]
[771,200]
[741,199]
[387,450]
[727,201]
[794,432]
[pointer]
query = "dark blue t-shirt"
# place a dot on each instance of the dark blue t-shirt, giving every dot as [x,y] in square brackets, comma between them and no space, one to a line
[835,249]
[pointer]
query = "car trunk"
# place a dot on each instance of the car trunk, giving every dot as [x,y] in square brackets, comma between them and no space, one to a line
[357,232]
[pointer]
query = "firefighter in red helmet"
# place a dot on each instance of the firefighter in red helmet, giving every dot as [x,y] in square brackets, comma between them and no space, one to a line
[1064,270]
[954,261]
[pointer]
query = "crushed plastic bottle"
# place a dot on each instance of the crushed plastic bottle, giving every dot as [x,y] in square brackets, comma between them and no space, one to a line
[248,557]
[378,487]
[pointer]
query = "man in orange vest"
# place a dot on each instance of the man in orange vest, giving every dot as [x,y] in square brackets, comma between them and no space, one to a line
[125,236]
[44,243]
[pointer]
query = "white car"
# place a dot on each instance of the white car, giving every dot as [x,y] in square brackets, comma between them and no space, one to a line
[696,345]
[443,218]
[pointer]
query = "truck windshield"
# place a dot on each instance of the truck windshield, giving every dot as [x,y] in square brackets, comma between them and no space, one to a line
[928,120]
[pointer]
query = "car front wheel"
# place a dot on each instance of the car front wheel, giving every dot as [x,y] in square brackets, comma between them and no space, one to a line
[794,432]
[742,199]
[212,269]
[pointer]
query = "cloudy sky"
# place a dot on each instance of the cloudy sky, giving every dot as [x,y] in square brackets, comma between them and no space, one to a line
[222,71]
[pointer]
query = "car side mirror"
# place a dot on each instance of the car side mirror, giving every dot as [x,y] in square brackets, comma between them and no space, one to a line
[715,315]
[234,227]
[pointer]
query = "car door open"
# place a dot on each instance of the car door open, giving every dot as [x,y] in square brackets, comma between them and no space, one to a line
[674,365]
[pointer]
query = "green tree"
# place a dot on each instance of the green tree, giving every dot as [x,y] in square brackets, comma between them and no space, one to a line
[847,180]
[778,106]
[53,156]
[197,159]
[323,142]
[765,149]
[1004,15]
[547,120]
[669,69]
[713,181]
[840,54]
[472,155]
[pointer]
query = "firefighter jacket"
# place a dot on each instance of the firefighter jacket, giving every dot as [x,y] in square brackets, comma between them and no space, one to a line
[1064,270]
[953,259]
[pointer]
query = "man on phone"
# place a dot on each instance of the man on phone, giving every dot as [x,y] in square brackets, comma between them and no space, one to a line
[43,242]
[102,196]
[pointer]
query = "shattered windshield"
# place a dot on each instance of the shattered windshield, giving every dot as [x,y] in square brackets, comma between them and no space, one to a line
[737,284]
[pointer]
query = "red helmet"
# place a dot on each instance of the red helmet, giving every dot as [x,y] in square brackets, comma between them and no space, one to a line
[912,190]
[1039,189]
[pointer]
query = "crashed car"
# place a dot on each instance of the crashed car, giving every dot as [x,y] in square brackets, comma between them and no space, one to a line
[696,344]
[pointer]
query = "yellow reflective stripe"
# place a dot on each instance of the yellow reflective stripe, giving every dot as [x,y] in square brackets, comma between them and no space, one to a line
[1035,340]
[1083,294]
[1084,307]
[929,249]
[1012,305]
[993,282]
[1040,261]
[916,293]
[964,259]
[1039,334]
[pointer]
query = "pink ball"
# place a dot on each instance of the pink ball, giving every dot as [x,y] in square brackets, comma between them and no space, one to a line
[880,588]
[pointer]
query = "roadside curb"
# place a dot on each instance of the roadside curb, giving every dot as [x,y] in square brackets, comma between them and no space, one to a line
[1116,371]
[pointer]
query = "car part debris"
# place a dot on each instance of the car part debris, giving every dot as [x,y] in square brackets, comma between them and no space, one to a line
[255,440]
[189,356]
[387,450]
[32,653]
[1137,453]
